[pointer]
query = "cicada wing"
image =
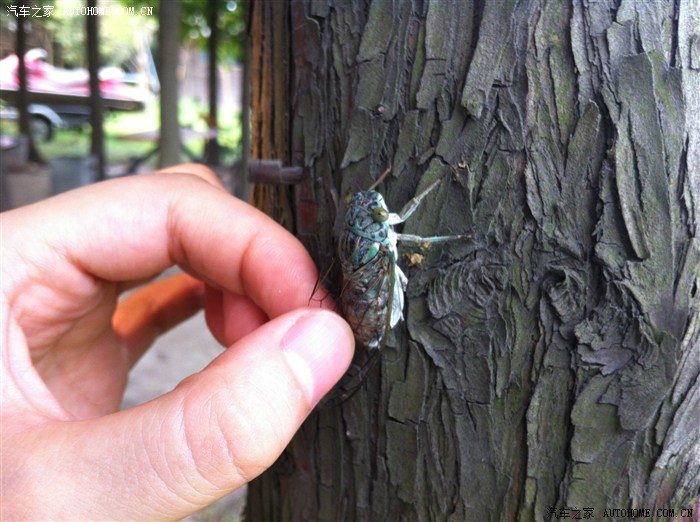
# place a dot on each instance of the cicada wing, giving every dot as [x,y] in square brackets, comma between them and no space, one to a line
[390,295]
[365,301]
[398,287]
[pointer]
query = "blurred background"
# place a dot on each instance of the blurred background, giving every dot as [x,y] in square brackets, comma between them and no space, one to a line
[169,78]
[111,88]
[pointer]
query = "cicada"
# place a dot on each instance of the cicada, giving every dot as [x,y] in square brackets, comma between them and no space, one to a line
[373,284]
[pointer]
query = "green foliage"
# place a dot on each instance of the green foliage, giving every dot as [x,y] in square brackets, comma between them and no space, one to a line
[195,28]
[118,34]
[69,33]
[230,20]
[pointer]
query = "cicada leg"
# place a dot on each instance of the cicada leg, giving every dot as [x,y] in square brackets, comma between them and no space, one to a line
[320,293]
[410,207]
[412,238]
[351,381]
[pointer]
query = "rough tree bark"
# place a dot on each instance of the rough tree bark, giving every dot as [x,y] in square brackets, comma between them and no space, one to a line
[554,359]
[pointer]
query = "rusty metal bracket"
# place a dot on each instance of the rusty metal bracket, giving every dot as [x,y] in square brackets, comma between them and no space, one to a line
[273,172]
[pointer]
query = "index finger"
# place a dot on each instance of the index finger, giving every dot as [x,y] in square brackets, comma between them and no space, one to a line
[135,227]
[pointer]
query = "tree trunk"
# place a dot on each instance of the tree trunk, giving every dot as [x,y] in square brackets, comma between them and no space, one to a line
[552,360]
[211,149]
[169,52]
[97,135]
[22,87]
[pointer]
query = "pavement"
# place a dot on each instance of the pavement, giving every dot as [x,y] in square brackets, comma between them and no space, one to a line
[175,355]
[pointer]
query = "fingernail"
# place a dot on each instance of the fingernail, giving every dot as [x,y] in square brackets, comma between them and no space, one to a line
[318,348]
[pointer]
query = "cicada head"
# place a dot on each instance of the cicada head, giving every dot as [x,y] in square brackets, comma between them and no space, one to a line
[367,216]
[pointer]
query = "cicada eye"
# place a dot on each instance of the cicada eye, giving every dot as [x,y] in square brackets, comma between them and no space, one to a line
[380,214]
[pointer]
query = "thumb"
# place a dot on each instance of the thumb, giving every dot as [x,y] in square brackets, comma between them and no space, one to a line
[216,431]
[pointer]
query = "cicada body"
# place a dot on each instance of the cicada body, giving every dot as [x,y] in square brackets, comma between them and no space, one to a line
[372,293]
[373,285]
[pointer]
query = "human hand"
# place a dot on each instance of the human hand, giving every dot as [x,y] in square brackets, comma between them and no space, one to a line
[67,347]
